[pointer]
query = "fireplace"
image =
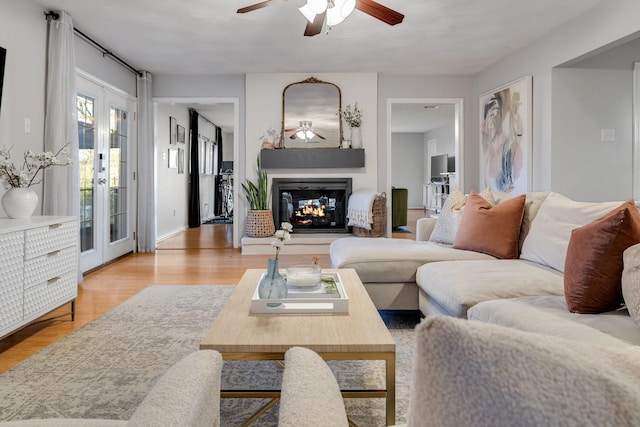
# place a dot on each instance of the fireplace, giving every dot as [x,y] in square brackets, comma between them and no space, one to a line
[311,205]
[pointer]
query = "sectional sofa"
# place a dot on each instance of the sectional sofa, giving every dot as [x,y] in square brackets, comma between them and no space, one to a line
[546,287]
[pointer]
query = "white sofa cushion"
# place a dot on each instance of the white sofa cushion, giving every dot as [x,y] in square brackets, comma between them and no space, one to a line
[550,232]
[549,315]
[384,260]
[457,286]
[468,373]
[631,281]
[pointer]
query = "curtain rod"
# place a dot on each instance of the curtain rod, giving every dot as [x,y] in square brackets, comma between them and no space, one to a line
[104,50]
[203,117]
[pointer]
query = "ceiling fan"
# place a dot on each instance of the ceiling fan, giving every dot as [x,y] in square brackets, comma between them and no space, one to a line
[334,12]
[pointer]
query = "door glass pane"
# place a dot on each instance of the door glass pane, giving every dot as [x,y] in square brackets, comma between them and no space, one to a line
[117,174]
[86,137]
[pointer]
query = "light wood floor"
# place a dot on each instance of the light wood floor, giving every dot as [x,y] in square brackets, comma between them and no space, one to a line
[200,256]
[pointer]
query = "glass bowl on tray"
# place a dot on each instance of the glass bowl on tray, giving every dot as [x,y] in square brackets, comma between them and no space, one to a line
[304,276]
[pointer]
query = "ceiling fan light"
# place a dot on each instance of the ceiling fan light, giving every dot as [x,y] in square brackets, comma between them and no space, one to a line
[334,17]
[307,13]
[317,6]
[347,7]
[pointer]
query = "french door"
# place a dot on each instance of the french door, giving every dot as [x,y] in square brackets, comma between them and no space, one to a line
[107,137]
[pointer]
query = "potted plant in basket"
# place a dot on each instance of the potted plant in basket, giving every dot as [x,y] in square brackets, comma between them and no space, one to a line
[259,218]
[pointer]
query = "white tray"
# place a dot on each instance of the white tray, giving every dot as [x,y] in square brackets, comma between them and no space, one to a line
[306,300]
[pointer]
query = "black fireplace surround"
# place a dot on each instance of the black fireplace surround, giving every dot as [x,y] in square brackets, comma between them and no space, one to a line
[311,205]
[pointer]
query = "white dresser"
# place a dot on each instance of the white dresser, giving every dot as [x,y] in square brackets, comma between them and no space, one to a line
[38,270]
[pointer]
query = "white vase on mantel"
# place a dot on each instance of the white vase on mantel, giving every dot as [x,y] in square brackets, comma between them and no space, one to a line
[19,202]
[356,137]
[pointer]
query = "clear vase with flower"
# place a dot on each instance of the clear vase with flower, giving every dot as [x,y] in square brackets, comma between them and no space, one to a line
[273,285]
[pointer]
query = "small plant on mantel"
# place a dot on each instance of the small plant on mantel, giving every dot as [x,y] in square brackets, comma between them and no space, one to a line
[352,117]
[257,194]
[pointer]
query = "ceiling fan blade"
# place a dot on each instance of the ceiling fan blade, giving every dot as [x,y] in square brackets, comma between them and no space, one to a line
[314,28]
[257,6]
[379,11]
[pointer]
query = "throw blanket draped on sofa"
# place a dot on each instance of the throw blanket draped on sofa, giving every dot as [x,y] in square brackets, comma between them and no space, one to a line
[360,211]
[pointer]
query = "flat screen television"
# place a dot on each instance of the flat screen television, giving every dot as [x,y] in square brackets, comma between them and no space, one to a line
[439,167]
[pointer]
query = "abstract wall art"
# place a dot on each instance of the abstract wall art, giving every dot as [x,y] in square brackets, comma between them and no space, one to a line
[505,137]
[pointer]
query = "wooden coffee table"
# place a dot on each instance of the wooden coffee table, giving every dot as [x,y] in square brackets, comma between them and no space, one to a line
[359,334]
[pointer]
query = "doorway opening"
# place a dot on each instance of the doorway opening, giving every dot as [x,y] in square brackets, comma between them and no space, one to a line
[419,129]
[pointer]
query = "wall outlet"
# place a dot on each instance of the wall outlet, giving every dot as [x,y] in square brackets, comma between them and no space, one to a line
[607,135]
[27,125]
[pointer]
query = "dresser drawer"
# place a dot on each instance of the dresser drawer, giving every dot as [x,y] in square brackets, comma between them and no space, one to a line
[53,264]
[11,267]
[45,296]
[43,240]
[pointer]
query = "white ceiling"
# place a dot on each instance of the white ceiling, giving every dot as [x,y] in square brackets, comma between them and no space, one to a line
[420,117]
[209,37]
[449,37]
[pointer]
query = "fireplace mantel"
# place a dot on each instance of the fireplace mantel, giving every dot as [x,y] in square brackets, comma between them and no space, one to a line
[292,158]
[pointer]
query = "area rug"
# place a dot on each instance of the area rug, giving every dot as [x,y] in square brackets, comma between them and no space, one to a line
[107,367]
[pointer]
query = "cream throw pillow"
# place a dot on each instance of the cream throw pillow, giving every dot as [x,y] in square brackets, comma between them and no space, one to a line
[550,230]
[631,281]
[449,219]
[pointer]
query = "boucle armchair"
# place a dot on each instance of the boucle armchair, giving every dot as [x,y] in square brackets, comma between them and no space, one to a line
[310,394]
[187,395]
[469,373]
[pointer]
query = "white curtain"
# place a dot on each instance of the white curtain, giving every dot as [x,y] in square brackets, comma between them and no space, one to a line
[61,191]
[146,167]
[61,194]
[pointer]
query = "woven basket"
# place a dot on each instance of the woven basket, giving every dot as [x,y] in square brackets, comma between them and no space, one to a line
[259,224]
[379,225]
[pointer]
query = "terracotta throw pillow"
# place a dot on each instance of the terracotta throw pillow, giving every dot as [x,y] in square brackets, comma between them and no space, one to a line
[593,266]
[492,230]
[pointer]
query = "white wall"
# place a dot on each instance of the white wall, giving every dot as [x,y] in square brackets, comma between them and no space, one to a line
[583,167]
[445,135]
[407,165]
[264,110]
[90,60]
[612,21]
[23,34]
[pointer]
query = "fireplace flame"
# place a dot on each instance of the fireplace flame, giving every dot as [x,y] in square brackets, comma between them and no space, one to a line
[310,214]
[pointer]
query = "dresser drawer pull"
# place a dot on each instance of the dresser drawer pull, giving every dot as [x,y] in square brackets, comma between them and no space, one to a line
[52,281]
[55,225]
[54,253]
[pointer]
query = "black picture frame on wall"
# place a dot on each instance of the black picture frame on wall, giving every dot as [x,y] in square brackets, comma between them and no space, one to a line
[173,130]
[3,57]
[180,135]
